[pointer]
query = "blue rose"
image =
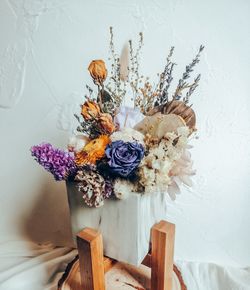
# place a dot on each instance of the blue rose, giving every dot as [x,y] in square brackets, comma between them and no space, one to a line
[124,157]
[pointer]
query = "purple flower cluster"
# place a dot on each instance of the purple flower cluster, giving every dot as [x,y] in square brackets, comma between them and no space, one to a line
[58,162]
[124,157]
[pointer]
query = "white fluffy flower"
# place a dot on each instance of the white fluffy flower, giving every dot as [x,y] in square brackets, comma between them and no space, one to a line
[77,142]
[147,176]
[162,180]
[127,135]
[128,117]
[123,188]
[183,131]
[180,173]
[173,189]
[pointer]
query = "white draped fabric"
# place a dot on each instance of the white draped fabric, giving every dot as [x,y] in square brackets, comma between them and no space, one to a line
[29,266]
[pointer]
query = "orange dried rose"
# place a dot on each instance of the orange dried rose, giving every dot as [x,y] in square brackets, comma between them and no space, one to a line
[90,110]
[106,123]
[98,71]
[93,151]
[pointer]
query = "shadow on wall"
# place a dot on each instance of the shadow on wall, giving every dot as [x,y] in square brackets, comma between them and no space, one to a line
[48,219]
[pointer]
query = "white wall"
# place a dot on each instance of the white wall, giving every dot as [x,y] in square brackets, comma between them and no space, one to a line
[44,52]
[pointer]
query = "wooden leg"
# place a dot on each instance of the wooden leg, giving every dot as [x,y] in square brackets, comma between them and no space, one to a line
[162,255]
[93,264]
[90,248]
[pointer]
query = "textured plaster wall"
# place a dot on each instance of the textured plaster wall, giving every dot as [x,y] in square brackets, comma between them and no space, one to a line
[45,48]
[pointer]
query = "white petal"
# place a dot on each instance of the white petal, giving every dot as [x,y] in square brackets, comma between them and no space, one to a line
[128,117]
[173,189]
[186,180]
[186,155]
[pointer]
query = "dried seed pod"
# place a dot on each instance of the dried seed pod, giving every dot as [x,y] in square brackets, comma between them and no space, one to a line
[158,124]
[169,123]
[149,124]
[155,110]
[181,109]
[178,108]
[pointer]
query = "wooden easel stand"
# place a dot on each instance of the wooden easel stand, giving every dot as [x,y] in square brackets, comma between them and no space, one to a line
[93,265]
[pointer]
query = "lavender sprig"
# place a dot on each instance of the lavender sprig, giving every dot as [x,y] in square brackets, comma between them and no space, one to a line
[165,80]
[58,162]
[192,88]
[183,84]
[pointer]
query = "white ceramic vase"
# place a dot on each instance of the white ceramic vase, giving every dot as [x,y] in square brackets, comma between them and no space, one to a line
[125,224]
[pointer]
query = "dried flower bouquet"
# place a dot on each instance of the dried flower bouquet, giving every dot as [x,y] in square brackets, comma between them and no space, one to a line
[120,149]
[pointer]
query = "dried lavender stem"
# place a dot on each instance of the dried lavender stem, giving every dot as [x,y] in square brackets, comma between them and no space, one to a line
[189,68]
[165,80]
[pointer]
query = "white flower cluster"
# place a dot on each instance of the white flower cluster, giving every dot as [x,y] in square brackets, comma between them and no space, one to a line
[155,168]
[167,163]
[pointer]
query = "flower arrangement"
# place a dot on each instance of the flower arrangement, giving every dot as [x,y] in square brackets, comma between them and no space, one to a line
[118,149]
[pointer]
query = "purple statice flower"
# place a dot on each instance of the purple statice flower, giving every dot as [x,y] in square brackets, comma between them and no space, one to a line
[58,162]
[124,157]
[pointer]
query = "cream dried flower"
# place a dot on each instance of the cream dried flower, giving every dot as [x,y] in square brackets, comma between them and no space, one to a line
[155,177]
[147,176]
[180,174]
[155,170]
[128,135]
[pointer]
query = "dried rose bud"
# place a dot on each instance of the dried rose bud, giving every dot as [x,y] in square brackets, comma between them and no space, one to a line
[106,123]
[98,71]
[90,110]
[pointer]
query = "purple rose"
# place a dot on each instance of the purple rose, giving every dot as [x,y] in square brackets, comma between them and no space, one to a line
[124,157]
